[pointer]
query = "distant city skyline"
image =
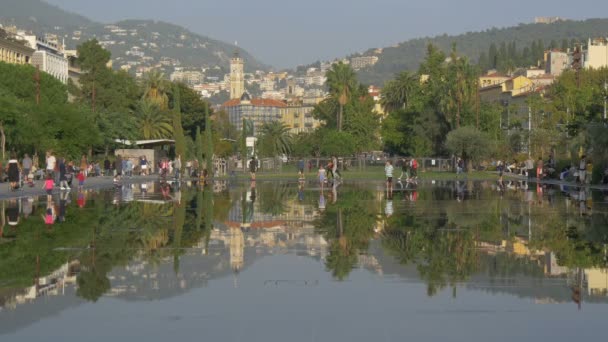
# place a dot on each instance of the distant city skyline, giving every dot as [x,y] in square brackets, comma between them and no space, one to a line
[285,34]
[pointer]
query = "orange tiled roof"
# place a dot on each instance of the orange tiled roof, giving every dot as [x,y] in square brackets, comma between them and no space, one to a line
[257,103]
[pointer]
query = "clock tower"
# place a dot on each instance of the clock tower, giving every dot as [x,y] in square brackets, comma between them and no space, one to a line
[237,77]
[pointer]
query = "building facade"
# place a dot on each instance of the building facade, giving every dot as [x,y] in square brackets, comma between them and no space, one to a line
[257,111]
[13,51]
[596,56]
[557,62]
[299,119]
[49,57]
[237,77]
[362,62]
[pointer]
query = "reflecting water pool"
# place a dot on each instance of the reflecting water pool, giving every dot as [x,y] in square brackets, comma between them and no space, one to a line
[289,261]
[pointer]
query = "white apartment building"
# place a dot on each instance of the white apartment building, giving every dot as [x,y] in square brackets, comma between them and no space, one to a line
[188,77]
[596,56]
[49,57]
[359,63]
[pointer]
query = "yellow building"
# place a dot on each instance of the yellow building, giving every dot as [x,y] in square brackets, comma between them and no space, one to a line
[298,118]
[492,79]
[518,85]
[13,51]
[597,280]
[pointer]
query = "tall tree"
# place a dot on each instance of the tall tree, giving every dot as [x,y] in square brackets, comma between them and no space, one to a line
[342,82]
[178,131]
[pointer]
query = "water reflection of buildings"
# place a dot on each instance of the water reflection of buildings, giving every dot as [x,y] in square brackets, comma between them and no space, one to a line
[53,284]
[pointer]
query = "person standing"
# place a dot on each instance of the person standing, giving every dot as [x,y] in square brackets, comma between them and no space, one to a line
[321,175]
[107,167]
[177,166]
[51,162]
[582,170]
[118,165]
[334,169]
[404,169]
[530,167]
[253,167]
[63,178]
[539,169]
[84,165]
[301,168]
[388,170]
[189,168]
[13,171]
[414,168]
[26,164]
[129,167]
[81,177]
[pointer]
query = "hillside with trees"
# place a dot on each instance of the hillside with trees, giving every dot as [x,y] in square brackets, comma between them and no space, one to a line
[155,39]
[476,46]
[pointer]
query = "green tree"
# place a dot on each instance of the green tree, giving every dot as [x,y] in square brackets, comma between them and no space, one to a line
[342,82]
[274,139]
[468,143]
[152,122]
[178,131]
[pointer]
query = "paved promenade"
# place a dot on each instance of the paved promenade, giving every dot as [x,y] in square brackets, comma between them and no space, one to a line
[90,183]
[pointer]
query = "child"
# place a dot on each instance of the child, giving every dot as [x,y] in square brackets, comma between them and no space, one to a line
[321,175]
[80,178]
[49,184]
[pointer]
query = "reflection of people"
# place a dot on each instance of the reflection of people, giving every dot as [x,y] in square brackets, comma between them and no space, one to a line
[63,199]
[301,191]
[321,201]
[12,213]
[388,210]
[253,194]
[50,214]
[334,193]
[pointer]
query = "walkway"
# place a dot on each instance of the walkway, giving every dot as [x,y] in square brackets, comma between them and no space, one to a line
[91,183]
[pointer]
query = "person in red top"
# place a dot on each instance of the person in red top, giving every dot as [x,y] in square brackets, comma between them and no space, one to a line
[80,178]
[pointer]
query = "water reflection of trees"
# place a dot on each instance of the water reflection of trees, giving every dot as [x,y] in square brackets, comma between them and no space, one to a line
[102,236]
[348,226]
[443,238]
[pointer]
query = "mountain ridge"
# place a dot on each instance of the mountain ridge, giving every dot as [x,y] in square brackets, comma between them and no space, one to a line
[408,54]
[195,51]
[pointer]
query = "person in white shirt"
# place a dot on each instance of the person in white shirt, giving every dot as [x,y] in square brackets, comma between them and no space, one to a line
[388,170]
[51,161]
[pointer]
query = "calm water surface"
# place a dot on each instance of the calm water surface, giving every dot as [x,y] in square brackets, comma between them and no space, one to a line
[283,261]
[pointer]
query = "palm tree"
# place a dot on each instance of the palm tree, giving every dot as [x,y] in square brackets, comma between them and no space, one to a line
[157,88]
[276,138]
[398,93]
[342,82]
[152,122]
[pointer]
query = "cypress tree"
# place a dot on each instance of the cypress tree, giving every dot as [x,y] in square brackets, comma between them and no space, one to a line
[178,130]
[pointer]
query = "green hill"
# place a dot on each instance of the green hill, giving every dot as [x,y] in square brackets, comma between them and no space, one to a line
[159,41]
[38,15]
[409,54]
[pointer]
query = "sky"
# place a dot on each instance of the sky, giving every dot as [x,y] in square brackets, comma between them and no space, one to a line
[288,33]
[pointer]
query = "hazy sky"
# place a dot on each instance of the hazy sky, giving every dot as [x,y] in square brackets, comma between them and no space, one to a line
[287,33]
